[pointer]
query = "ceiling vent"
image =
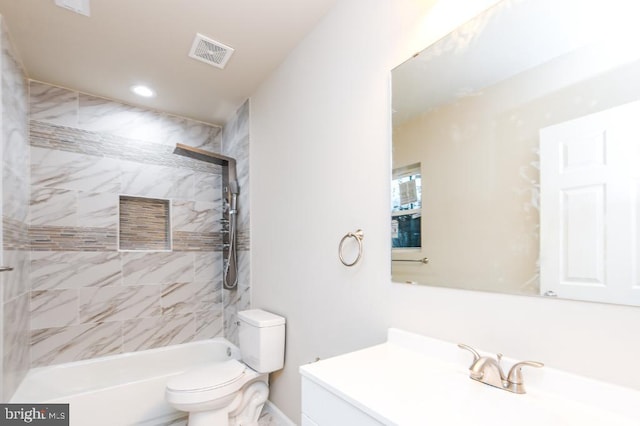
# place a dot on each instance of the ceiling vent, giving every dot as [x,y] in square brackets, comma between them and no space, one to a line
[210,51]
[77,6]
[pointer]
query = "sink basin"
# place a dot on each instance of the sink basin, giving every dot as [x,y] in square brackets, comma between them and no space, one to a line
[416,380]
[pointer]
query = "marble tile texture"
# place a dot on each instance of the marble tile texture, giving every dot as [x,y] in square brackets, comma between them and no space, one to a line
[53,104]
[67,170]
[65,107]
[62,269]
[87,299]
[14,297]
[157,268]
[56,345]
[238,299]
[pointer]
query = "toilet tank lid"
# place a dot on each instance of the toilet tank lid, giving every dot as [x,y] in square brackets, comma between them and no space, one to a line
[260,318]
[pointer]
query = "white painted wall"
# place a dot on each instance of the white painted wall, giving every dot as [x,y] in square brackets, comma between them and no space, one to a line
[320,167]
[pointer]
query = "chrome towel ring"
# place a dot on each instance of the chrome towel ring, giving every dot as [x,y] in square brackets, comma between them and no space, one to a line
[358,235]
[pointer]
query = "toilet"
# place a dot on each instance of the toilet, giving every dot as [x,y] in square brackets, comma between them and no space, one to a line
[233,392]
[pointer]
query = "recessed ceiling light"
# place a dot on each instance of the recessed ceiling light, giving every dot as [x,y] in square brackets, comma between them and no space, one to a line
[143,91]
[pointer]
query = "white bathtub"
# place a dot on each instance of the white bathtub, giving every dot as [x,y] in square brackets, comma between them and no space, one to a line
[120,390]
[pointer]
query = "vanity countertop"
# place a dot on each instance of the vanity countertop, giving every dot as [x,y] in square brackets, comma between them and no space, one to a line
[416,380]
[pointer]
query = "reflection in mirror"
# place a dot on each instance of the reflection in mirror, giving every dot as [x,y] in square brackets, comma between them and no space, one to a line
[525,125]
[406,207]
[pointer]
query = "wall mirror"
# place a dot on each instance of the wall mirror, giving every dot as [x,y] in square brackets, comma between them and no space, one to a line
[525,127]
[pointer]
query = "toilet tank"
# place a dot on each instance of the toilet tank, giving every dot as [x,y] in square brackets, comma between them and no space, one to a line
[261,340]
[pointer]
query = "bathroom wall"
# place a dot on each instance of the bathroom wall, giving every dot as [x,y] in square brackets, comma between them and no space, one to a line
[15,202]
[89,299]
[320,167]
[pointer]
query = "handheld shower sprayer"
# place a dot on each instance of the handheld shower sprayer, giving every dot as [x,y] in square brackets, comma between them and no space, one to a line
[233,184]
[232,190]
[230,273]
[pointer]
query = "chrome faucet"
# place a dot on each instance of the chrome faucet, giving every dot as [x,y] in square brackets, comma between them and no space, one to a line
[488,370]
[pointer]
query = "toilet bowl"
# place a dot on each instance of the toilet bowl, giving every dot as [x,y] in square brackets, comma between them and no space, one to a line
[233,392]
[228,392]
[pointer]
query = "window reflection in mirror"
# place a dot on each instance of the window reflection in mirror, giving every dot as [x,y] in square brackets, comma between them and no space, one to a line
[406,207]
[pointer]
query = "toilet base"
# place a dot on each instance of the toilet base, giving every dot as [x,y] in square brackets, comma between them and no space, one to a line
[209,418]
[248,411]
[243,410]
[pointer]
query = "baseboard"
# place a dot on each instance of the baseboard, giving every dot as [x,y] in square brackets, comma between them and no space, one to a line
[282,419]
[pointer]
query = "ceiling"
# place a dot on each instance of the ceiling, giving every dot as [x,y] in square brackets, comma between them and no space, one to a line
[128,42]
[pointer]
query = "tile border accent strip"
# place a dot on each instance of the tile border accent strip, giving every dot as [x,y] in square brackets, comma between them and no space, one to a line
[74,238]
[71,139]
[15,234]
[197,241]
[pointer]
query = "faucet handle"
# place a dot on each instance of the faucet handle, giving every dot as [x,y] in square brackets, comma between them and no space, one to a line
[476,355]
[515,374]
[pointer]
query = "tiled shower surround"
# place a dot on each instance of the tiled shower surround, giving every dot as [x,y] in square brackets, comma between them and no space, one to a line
[66,159]
[89,299]
[14,294]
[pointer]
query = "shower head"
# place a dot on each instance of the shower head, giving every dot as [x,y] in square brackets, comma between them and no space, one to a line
[214,158]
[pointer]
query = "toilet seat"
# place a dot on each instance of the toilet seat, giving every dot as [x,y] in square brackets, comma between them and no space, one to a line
[209,377]
[213,384]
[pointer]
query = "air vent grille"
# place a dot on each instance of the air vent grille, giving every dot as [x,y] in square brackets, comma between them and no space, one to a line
[210,51]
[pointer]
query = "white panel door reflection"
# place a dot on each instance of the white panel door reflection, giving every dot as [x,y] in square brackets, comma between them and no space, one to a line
[589,182]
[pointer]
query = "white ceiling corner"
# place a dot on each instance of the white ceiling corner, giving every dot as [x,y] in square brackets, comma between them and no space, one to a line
[123,43]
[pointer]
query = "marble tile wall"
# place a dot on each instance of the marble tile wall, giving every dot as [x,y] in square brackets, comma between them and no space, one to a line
[14,295]
[235,143]
[88,299]
[55,105]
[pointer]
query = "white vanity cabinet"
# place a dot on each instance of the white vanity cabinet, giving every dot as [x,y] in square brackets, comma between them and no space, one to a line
[415,380]
[321,407]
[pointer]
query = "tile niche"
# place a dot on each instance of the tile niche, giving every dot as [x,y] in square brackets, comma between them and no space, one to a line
[144,224]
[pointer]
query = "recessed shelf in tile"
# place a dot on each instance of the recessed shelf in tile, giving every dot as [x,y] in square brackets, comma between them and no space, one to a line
[144,224]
